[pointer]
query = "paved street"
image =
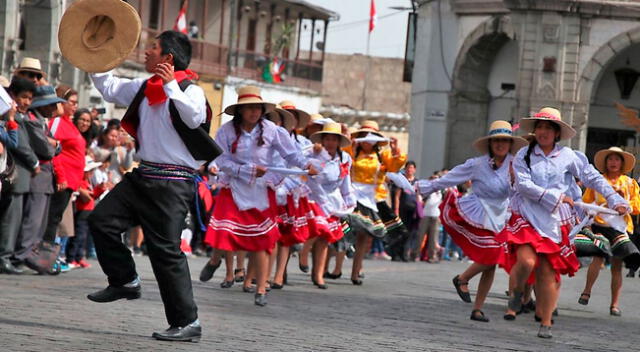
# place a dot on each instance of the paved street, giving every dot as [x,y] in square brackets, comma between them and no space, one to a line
[401,307]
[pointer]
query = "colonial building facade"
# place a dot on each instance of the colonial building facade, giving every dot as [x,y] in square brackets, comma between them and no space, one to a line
[477,61]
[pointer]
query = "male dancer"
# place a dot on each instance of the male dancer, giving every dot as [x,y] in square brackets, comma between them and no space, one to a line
[164,117]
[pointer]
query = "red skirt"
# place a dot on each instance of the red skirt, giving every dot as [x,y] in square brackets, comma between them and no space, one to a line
[519,231]
[477,243]
[294,221]
[231,229]
[328,228]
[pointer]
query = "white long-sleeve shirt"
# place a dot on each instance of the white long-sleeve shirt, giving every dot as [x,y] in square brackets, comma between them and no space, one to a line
[239,168]
[158,140]
[486,205]
[331,188]
[539,189]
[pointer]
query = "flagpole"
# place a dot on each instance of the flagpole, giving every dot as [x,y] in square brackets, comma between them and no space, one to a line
[368,64]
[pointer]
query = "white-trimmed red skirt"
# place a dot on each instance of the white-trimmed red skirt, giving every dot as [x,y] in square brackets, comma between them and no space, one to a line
[327,228]
[293,220]
[561,256]
[477,243]
[232,229]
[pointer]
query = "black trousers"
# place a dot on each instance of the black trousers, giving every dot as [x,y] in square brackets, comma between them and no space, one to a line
[57,206]
[160,207]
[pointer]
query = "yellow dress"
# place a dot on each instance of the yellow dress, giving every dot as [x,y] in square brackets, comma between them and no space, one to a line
[627,188]
[367,168]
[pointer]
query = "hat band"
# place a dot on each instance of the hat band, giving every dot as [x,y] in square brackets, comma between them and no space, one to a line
[243,96]
[500,131]
[547,116]
[289,107]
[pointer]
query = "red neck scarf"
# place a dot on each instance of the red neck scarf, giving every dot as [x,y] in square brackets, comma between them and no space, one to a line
[155,90]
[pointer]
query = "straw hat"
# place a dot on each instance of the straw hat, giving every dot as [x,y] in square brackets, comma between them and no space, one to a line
[98,35]
[4,82]
[249,95]
[599,160]
[548,114]
[29,64]
[302,116]
[281,115]
[500,129]
[331,128]
[369,126]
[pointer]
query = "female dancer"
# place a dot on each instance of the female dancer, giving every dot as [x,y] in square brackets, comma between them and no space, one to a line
[296,214]
[369,170]
[245,214]
[614,163]
[535,237]
[473,220]
[332,195]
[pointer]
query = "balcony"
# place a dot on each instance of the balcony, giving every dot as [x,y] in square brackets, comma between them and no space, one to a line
[211,60]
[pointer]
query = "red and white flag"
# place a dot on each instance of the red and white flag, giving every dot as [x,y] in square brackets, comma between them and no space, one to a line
[181,20]
[373,16]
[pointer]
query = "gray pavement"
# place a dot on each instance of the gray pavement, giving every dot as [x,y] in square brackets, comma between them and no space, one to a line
[400,307]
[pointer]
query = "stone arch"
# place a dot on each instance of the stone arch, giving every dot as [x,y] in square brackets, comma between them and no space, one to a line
[469,99]
[591,76]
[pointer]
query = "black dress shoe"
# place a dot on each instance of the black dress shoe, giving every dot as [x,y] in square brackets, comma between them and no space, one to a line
[189,333]
[356,282]
[260,299]
[457,283]
[322,286]
[209,269]
[8,268]
[249,289]
[304,268]
[276,286]
[112,293]
[478,315]
[332,276]
[226,284]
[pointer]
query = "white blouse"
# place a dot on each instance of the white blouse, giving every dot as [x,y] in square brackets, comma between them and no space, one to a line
[239,168]
[331,188]
[539,189]
[486,204]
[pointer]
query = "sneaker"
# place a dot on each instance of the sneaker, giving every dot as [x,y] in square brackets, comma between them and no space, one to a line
[74,265]
[384,256]
[137,252]
[64,267]
[84,263]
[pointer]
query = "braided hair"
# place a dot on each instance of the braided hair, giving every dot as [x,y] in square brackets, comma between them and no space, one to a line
[237,121]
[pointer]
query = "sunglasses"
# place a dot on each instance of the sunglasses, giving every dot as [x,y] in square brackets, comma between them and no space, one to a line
[31,74]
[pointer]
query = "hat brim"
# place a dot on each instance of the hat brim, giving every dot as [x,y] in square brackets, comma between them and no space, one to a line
[92,166]
[317,138]
[29,69]
[287,119]
[599,160]
[106,56]
[231,109]
[302,116]
[369,130]
[45,102]
[527,124]
[482,144]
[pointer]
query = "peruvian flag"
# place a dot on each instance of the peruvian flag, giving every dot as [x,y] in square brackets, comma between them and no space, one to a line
[181,20]
[373,16]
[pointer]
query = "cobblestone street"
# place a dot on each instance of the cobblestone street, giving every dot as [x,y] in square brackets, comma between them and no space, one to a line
[401,307]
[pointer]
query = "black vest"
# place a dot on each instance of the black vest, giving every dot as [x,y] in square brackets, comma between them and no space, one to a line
[198,141]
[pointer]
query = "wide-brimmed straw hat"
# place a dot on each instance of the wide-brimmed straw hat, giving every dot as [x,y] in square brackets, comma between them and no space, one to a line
[4,82]
[43,96]
[249,95]
[548,114]
[29,64]
[600,159]
[302,116]
[369,126]
[98,35]
[500,129]
[286,119]
[331,128]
